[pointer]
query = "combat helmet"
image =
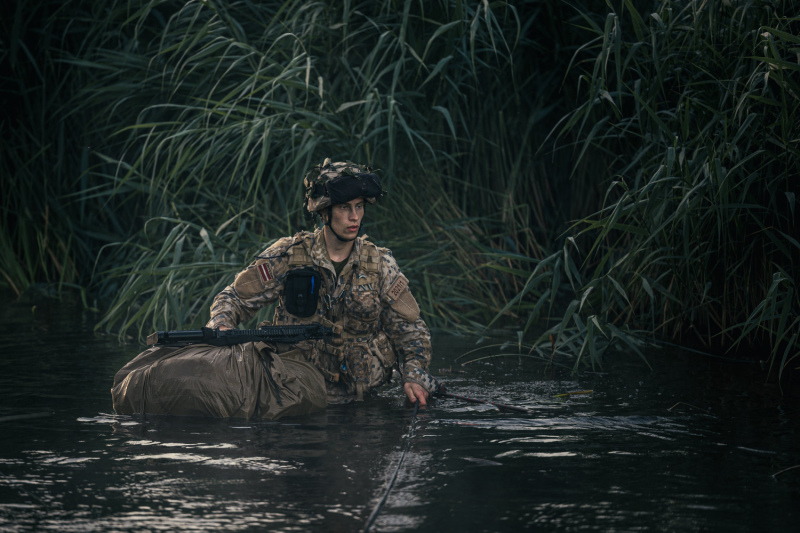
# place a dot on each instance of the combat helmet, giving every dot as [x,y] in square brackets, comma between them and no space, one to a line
[336,183]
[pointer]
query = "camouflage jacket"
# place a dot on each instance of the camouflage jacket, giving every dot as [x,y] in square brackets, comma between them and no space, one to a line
[374,315]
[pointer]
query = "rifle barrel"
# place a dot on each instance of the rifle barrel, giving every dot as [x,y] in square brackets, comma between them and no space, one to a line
[228,337]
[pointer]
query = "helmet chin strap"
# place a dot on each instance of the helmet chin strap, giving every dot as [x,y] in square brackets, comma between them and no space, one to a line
[341,239]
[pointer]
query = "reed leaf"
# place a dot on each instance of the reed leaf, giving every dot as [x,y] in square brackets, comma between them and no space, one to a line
[695,132]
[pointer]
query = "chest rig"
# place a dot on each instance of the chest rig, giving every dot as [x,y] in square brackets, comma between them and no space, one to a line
[352,307]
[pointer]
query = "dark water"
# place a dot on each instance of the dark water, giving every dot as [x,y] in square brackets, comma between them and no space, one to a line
[690,446]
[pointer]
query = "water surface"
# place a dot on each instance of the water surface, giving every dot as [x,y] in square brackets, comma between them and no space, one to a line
[690,446]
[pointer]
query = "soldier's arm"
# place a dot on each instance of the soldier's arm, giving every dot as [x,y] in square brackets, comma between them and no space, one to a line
[254,288]
[400,319]
[230,308]
[412,341]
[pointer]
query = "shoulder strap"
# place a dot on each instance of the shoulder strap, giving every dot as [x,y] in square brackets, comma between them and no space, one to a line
[298,254]
[370,257]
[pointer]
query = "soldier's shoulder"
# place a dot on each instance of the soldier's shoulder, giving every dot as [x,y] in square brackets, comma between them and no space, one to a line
[381,255]
[373,248]
[386,256]
[389,268]
[304,235]
[284,243]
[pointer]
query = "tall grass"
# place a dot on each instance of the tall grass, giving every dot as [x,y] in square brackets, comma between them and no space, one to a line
[693,114]
[159,145]
[37,241]
[200,113]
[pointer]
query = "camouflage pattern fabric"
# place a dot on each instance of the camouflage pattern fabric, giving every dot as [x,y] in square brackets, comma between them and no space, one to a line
[326,172]
[374,315]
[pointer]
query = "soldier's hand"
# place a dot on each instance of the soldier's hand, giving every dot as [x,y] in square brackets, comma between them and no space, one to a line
[415,393]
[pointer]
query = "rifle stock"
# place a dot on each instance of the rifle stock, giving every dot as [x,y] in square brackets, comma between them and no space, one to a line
[229,337]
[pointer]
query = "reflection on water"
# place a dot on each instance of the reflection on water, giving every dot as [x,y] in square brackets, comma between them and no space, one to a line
[691,446]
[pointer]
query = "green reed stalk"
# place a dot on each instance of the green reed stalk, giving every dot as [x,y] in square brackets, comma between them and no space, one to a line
[690,115]
[200,113]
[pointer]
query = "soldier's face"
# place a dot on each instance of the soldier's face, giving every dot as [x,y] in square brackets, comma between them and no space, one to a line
[346,218]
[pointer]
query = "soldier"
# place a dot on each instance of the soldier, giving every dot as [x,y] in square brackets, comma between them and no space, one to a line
[343,281]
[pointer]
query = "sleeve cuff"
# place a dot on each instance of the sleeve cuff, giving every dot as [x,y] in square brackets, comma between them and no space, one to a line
[219,321]
[421,378]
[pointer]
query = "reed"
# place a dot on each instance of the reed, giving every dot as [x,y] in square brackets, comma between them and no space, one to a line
[214,111]
[595,175]
[692,114]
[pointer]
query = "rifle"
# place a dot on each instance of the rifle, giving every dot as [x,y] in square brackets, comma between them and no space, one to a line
[229,337]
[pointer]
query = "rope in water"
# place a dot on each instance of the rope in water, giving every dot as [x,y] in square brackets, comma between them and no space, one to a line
[390,483]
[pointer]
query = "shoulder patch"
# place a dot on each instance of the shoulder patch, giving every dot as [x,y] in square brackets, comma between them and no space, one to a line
[406,306]
[250,282]
[264,272]
[397,288]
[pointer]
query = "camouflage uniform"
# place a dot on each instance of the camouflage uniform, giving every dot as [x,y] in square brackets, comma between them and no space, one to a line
[374,316]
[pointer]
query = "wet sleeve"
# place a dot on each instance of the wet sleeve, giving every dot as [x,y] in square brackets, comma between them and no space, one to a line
[253,288]
[401,321]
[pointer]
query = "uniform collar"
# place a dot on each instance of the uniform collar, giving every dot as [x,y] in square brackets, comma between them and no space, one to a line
[319,252]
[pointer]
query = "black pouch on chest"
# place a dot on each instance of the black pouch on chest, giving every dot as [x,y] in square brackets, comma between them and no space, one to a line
[301,291]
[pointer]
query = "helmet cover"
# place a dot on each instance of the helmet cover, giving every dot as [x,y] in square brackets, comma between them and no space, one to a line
[337,183]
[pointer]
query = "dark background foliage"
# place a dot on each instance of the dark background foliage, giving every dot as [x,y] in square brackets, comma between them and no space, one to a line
[590,174]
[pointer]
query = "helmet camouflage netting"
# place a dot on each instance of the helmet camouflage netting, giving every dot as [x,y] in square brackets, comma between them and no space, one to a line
[336,183]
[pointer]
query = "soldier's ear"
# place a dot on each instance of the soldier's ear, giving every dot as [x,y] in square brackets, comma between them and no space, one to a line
[326,214]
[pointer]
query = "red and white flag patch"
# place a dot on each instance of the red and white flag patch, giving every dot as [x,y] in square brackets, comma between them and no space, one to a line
[263,272]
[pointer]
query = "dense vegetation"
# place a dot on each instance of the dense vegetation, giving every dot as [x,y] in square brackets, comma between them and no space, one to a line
[590,174]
